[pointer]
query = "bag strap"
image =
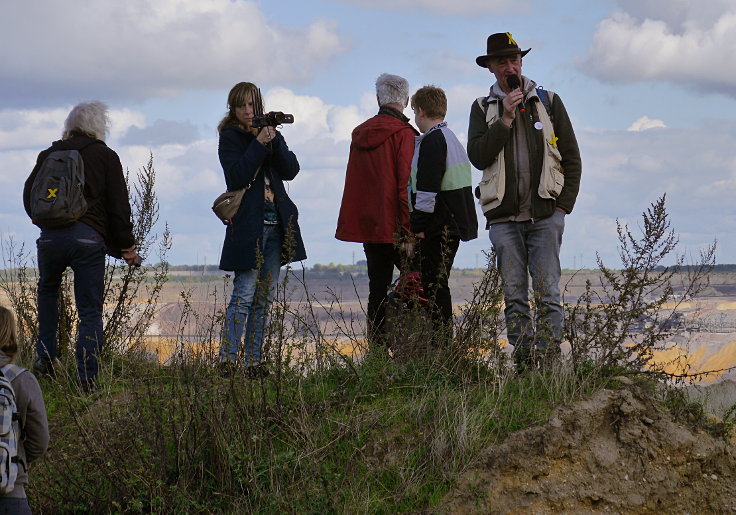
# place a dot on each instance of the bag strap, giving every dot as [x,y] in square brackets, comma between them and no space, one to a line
[254,178]
[11,371]
[544,96]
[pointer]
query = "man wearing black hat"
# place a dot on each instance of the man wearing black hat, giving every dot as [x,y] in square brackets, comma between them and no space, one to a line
[522,139]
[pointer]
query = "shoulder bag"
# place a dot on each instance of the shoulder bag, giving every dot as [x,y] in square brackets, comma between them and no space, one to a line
[227,204]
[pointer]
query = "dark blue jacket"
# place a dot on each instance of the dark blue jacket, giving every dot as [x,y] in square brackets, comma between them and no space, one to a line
[240,156]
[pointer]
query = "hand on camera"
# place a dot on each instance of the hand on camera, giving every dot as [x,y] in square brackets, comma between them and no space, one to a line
[266,135]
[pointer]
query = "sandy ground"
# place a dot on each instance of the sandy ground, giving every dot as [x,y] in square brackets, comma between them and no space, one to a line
[617,452]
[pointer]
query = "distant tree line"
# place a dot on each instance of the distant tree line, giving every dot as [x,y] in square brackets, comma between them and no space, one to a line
[690,268]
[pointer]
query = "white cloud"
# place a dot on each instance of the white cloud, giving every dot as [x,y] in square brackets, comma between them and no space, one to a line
[678,13]
[463,7]
[162,132]
[121,120]
[313,117]
[623,172]
[683,47]
[37,128]
[645,123]
[139,48]
[30,128]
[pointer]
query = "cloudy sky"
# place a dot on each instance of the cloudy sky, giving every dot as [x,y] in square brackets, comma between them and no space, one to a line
[650,86]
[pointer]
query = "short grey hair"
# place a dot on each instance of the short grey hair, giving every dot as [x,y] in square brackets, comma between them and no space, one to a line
[89,119]
[392,89]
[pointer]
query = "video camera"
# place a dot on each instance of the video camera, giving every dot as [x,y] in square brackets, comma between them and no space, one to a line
[272,119]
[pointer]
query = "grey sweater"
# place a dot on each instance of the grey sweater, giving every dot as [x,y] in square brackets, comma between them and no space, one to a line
[34,426]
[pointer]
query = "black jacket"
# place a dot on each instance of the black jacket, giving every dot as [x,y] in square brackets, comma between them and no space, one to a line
[241,156]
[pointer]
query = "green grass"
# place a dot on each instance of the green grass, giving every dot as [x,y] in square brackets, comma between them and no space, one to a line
[387,438]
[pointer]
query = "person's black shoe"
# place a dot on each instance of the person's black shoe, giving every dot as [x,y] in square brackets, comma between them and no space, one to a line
[44,366]
[258,371]
[550,357]
[524,360]
[88,386]
[226,369]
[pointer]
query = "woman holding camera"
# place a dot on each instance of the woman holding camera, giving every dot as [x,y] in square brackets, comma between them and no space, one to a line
[264,233]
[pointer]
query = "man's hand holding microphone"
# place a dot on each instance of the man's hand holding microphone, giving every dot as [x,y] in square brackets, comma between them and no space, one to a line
[512,99]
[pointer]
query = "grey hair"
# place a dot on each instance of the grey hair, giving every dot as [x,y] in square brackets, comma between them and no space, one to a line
[392,89]
[89,119]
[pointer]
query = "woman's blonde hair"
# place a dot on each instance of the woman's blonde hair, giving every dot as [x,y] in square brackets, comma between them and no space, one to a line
[8,333]
[236,98]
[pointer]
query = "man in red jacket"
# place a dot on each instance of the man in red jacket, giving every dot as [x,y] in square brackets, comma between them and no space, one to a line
[375,202]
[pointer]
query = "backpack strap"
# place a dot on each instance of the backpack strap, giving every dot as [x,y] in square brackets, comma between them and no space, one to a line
[484,103]
[544,96]
[11,371]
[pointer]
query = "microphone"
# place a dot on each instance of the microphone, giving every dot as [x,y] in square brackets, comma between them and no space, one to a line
[514,83]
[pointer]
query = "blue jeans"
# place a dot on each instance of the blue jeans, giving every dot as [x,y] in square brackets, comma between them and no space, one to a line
[14,506]
[524,248]
[82,248]
[253,292]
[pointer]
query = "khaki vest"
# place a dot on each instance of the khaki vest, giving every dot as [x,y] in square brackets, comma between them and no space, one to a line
[493,183]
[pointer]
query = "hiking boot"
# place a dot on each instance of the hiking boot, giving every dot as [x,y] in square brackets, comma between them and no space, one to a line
[44,366]
[549,357]
[524,360]
[88,386]
[226,369]
[258,371]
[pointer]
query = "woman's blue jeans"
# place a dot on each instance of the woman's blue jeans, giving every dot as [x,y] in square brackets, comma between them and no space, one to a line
[253,292]
[82,248]
[523,249]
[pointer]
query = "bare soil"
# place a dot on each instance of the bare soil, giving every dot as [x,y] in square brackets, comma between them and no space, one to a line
[618,452]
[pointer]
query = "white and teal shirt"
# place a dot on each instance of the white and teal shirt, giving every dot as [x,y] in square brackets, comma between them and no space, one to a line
[440,186]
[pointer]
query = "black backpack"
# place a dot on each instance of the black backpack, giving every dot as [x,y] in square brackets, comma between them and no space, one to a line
[57,192]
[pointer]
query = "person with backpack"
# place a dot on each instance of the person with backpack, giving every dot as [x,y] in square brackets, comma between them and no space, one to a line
[522,138]
[77,195]
[27,437]
[264,233]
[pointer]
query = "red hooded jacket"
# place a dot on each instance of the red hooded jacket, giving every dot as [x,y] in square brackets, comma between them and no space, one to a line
[375,202]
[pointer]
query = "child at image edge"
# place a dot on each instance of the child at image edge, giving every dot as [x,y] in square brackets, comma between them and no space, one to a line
[34,426]
[442,204]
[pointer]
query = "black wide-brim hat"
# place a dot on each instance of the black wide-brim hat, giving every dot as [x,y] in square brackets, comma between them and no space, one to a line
[499,45]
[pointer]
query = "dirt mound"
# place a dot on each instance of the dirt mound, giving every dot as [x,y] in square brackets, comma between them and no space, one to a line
[618,452]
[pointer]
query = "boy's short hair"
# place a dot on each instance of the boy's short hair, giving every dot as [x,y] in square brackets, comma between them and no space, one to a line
[432,100]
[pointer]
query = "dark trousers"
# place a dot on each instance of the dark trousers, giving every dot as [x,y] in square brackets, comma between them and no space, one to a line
[14,506]
[436,257]
[381,258]
[83,249]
